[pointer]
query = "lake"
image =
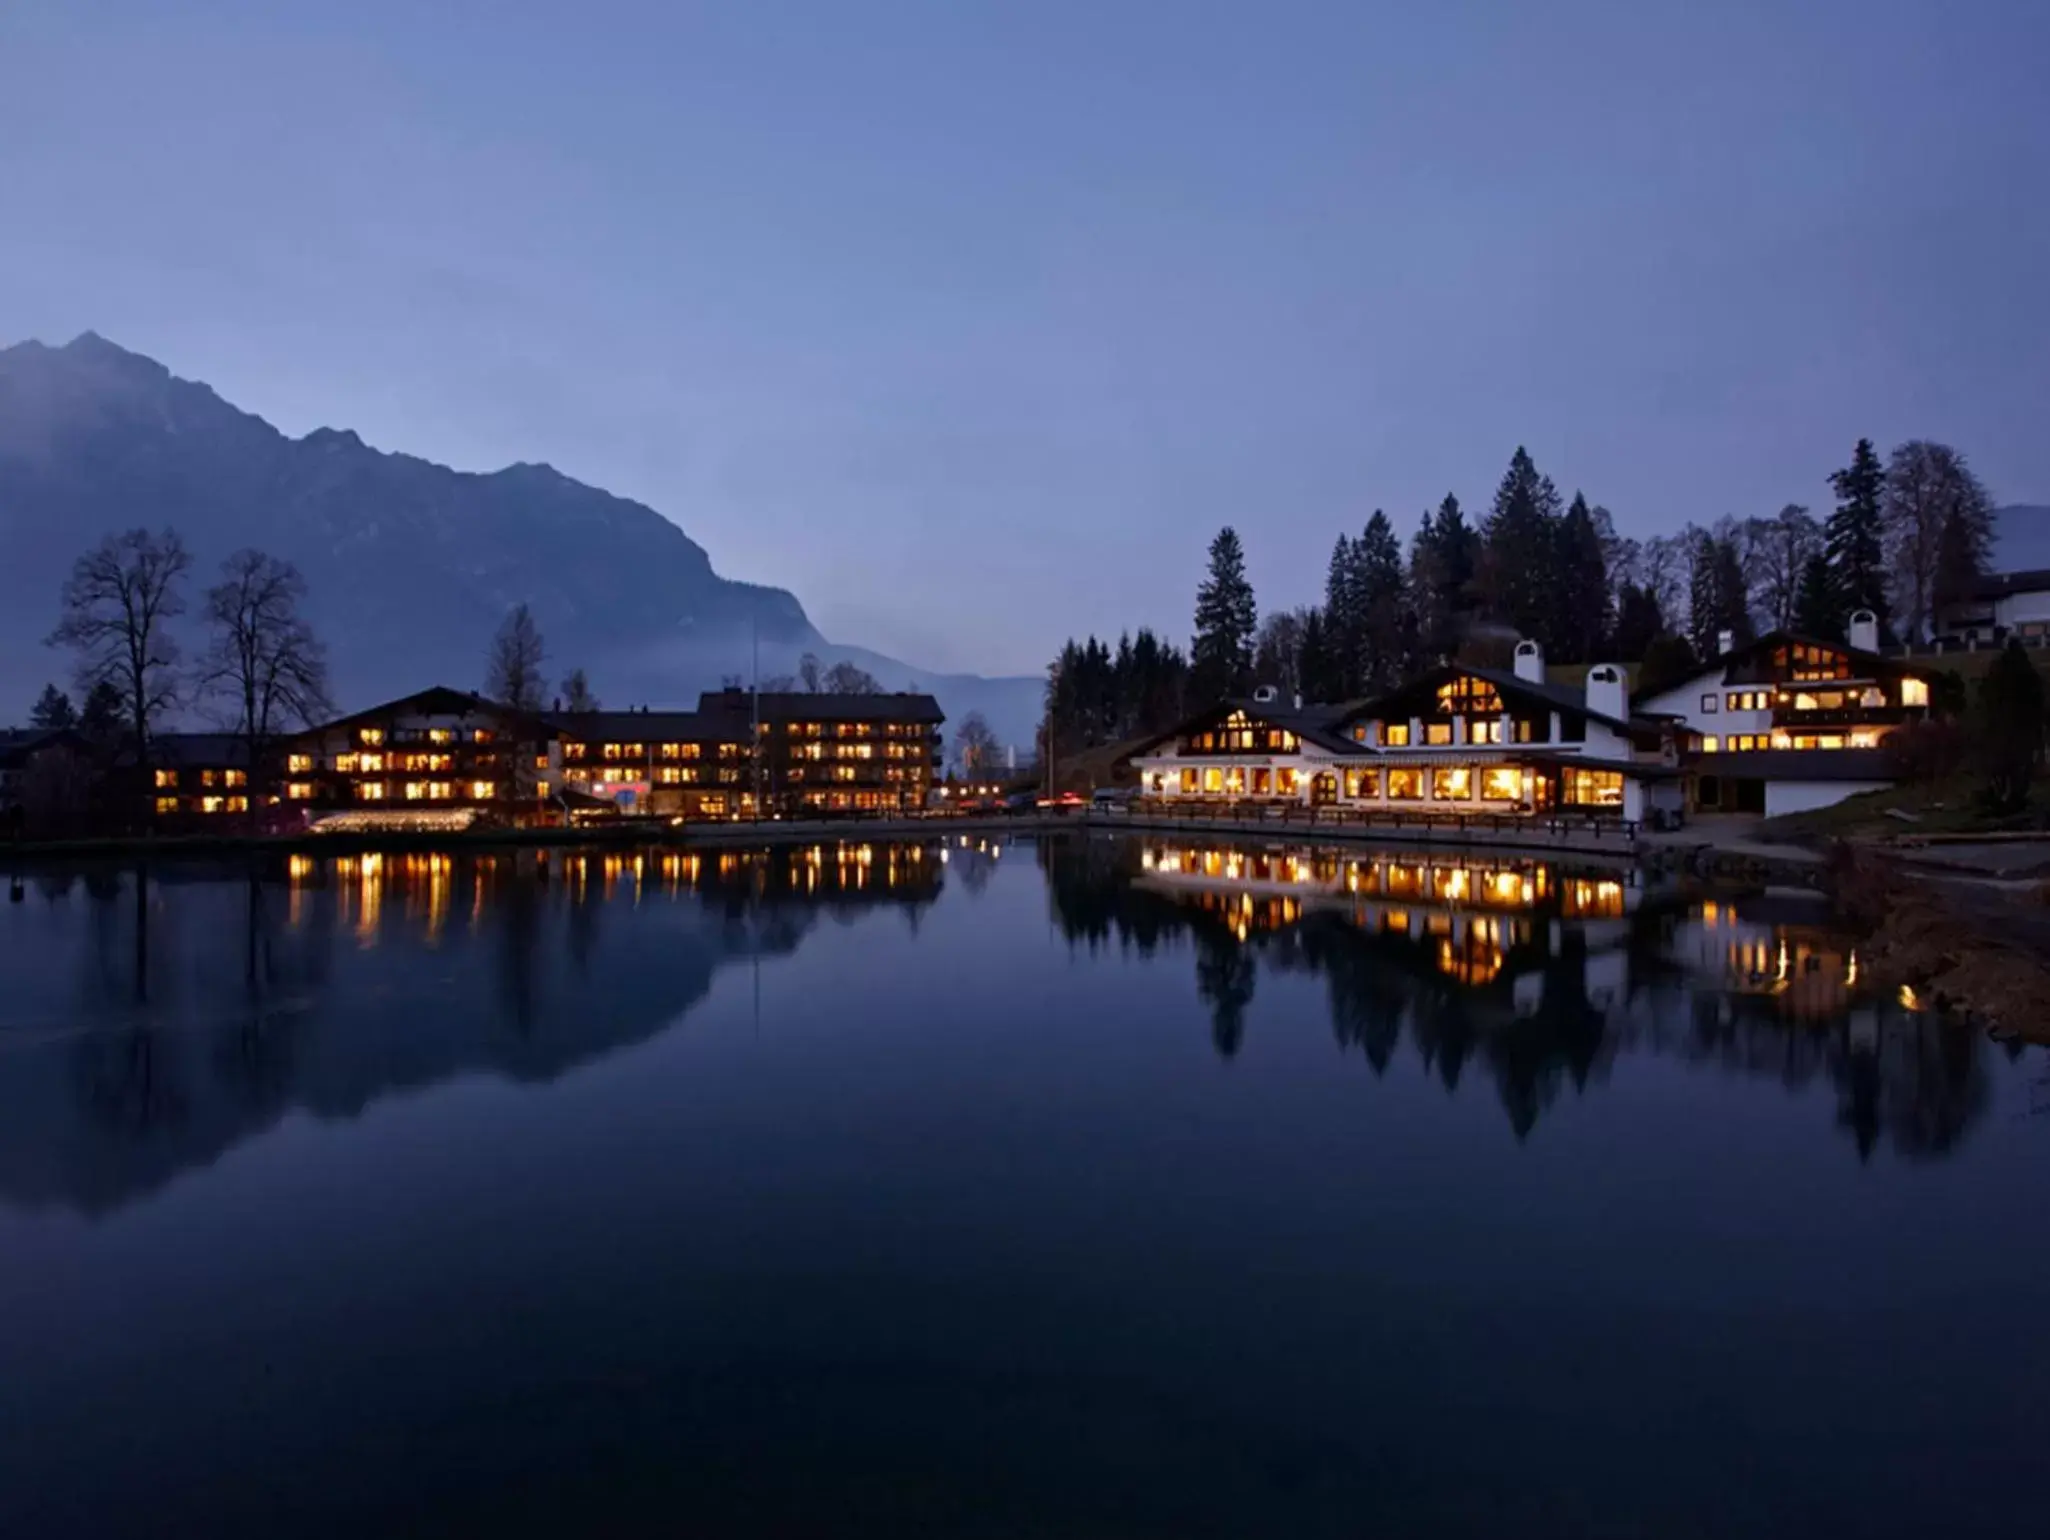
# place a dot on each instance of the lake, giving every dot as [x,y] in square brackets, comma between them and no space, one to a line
[1088,1187]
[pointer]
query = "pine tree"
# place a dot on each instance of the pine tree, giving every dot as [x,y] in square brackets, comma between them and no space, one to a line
[1639,620]
[52,710]
[1221,653]
[1343,621]
[1383,619]
[1582,600]
[1718,598]
[1519,567]
[1818,608]
[1854,538]
[1323,679]
[2008,736]
[1442,563]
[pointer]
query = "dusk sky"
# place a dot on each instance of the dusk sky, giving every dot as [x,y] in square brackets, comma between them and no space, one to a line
[971,323]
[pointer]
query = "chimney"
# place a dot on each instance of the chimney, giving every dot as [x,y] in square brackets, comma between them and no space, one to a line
[1265,694]
[1864,631]
[1725,643]
[1530,662]
[1299,700]
[1605,692]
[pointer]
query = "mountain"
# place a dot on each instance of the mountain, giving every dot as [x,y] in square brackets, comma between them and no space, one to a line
[411,565]
[2021,537]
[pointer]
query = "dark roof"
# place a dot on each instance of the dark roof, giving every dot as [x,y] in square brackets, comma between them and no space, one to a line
[1999,585]
[1313,724]
[200,750]
[643,726]
[442,700]
[1511,686]
[1875,666]
[1800,765]
[18,743]
[904,706]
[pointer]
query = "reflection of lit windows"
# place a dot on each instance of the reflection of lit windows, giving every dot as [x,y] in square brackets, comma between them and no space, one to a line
[1501,783]
[1405,785]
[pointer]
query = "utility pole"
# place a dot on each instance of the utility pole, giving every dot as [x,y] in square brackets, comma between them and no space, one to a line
[755,746]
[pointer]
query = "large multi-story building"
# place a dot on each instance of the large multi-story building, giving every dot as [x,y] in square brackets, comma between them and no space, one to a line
[799,753]
[437,757]
[196,779]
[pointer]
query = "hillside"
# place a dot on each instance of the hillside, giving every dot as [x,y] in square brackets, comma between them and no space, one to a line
[412,565]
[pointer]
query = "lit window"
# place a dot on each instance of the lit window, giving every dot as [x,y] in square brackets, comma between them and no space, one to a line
[1865,738]
[1594,788]
[415,790]
[1437,734]
[238,804]
[370,791]
[298,764]
[1405,785]
[237,778]
[167,804]
[1914,692]
[1484,731]
[1213,780]
[1501,783]
[1285,782]
[481,735]
[441,735]
[346,763]
[483,791]
[1451,783]
[372,763]
[1711,744]
[540,788]
[210,804]
[209,778]
[299,791]
[1395,735]
[1363,783]
[372,736]
[167,780]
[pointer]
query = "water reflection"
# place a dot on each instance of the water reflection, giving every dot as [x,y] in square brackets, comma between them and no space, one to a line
[159,1015]
[1536,975]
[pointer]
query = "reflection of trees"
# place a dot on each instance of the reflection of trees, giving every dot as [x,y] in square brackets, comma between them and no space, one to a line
[263,992]
[1517,1000]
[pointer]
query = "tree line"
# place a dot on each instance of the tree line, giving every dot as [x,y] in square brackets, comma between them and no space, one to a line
[1905,537]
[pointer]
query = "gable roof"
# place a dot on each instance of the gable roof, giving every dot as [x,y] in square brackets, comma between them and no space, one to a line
[645,726]
[441,700]
[1312,724]
[199,750]
[1511,687]
[1874,665]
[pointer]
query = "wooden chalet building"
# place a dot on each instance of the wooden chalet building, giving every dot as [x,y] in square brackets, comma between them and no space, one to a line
[441,758]
[1456,741]
[1791,722]
[198,780]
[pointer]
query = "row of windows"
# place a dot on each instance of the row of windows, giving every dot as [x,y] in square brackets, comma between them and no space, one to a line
[167,780]
[1446,783]
[430,791]
[1744,743]
[206,805]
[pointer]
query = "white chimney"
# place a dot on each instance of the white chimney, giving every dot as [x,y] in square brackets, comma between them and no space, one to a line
[1864,634]
[1605,692]
[1725,643]
[1530,662]
[1265,694]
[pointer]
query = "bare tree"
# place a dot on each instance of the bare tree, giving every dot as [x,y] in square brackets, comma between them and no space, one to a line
[1777,551]
[115,607]
[1278,650]
[975,744]
[845,678]
[512,677]
[809,670]
[576,693]
[1929,491]
[263,659]
[1663,563]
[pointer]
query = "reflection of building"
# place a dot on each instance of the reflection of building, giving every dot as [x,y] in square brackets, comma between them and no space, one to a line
[1790,723]
[1457,741]
[202,1007]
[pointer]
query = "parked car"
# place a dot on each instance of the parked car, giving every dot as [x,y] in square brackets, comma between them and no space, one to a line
[1021,801]
[1110,799]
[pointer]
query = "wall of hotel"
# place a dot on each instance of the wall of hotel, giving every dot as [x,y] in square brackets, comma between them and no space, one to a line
[399,748]
[1457,784]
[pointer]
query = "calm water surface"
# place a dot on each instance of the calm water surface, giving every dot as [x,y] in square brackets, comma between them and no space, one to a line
[1099,1188]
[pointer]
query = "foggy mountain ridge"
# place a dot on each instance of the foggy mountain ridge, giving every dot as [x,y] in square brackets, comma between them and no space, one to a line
[411,565]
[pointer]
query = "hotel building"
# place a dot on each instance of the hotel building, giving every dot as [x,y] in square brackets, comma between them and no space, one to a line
[1456,741]
[1790,723]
